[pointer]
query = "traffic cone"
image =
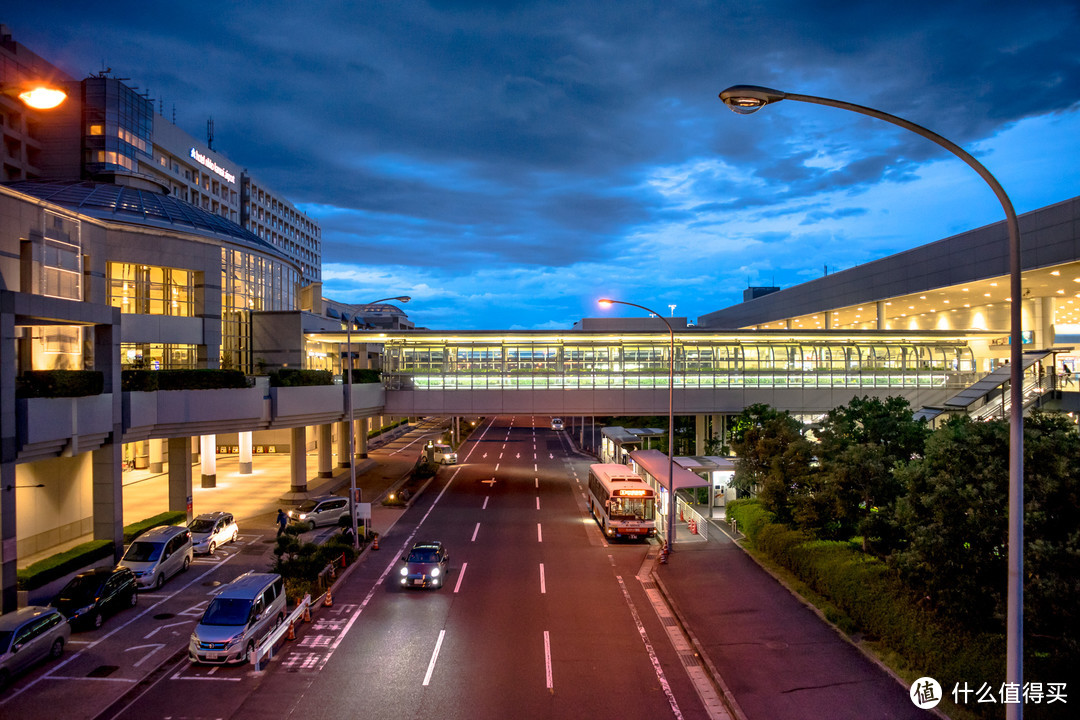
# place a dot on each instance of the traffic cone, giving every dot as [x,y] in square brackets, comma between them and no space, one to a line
[307,613]
[292,632]
[328,601]
[375,546]
[333,573]
[343,561]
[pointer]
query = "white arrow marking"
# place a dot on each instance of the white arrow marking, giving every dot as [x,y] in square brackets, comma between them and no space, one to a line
[162,627]
[154,647]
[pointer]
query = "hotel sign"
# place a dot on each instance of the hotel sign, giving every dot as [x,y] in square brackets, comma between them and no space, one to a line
[212,166]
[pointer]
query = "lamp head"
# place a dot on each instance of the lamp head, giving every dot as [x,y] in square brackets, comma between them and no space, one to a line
[42,97]
[605,303]
[402,298]
[747,99]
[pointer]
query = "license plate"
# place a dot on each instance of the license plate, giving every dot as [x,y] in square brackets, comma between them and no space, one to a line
[418,581]
[211,656]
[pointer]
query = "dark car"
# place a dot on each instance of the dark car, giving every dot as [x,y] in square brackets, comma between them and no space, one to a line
[95,594]
[425,565]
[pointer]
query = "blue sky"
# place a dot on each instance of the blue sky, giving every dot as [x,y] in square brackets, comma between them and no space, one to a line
[506,164]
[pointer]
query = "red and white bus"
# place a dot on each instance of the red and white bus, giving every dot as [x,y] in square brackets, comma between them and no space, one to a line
[621,502]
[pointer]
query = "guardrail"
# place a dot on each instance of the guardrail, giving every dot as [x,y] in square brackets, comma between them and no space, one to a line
[265,650]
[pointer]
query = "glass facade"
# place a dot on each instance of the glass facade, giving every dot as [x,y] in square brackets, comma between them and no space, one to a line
[60,269]
[151,290]
[569,362]
[251,283]
[118,126]
[158,356]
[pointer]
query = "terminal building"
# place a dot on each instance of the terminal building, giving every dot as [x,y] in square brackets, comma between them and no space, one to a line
[124,243]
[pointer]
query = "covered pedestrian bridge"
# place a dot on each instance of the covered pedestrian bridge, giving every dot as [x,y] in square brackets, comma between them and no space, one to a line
[591,373]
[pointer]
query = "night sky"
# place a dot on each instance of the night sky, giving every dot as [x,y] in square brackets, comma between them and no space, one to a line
[506,164]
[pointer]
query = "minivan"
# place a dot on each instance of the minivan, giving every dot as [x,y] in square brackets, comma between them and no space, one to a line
[443,454]
[28,635]
[324,510]
[92,595]
[158,554]
[238,619]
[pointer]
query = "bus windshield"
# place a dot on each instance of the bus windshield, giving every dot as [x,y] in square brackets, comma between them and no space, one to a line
[622,508]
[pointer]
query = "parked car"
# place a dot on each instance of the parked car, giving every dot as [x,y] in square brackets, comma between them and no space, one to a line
[211,530]
[318,511]
[28,635]
[158,554]
[92,595]
[238,619]
[425,565]
[557,424]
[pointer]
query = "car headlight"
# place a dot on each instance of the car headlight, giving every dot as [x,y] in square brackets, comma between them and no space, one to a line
[435,573]
[82,611]
[234,639]
[302,515]
[404,571]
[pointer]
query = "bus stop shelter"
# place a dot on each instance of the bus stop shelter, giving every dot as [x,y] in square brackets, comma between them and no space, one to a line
[690,525]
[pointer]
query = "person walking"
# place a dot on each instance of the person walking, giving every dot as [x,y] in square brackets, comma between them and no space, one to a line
[1066,375]
[282,521]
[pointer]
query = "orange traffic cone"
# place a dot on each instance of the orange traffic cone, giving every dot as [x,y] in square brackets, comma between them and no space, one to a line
[328,601]
[292,632]
[307,613]
[333,573]
[375,546]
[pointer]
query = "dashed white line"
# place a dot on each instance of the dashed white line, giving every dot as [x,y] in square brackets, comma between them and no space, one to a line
[539,533]
[434,657]
[537,502]
[484,507]
[461,574]
[537,481]
[547,659]
[475,530]
[543,583]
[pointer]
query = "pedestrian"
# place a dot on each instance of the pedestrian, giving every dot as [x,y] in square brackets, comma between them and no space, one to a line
[282,521]
[1066,375]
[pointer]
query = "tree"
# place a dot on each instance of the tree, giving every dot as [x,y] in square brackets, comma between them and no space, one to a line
[773,457]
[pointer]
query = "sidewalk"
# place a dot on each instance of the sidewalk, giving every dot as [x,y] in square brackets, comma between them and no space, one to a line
[777,657]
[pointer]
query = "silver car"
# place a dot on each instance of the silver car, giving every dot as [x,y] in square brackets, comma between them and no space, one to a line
[158,554]
[325,510]
[28,635]
[212,530]
[425,565]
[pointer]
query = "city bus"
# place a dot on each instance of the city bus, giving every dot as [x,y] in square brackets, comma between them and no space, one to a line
[621,502]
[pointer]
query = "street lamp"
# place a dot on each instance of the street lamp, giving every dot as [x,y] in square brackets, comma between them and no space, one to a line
[746,99]
[349,319]
[38,96]
[606,302]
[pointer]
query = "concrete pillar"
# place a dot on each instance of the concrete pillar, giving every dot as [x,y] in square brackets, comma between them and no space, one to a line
[180,492]
[718,429]
[701,434]
[245,453]
[298,460]
[828,320]
[157,455]
[362,435]
[9,368]
[326,455]
[581,432]
[9,599]
[343,444]
[882,321]
[108,495]
[208,456]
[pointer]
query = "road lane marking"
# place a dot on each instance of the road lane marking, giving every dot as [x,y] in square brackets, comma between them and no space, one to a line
[539,533]
[461,574]
[496,468]
[536,468]
[475,530]
[652,653]
[537,481]
[434,657]
[547,658]
[484,507]
[537,502]
[543,583]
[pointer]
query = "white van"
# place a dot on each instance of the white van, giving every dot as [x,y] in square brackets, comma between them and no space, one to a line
[443,454]
[238,619]
[158,554]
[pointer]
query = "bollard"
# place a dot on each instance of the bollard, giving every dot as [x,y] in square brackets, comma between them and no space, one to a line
[343,563]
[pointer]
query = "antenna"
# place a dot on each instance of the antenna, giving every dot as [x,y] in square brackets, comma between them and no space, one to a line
[672,309]
[210,133]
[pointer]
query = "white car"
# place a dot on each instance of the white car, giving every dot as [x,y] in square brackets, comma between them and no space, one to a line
[212,530]
[557,424]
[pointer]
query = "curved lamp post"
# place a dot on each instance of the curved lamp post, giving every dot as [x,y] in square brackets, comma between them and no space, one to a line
[746,99]
[606,302]
[348,319]
[39,96]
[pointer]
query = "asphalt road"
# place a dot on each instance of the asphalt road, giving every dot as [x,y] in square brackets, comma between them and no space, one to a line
[539,617]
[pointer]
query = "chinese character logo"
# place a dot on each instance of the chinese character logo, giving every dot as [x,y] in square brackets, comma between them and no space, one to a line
[925,693]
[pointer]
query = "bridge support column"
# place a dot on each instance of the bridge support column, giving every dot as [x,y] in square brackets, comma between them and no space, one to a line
[298,460]
[157,455]
[246,465]
[180,493]
[344,428]
[361,437]
[326,456]
[701,433]
[208,456]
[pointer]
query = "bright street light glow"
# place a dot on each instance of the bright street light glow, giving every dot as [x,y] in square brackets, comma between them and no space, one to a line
[42,97]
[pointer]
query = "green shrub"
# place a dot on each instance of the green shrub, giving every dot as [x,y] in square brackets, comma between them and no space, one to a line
[57,566]
[59,383]
[203,379]
[292,377]
[172,517]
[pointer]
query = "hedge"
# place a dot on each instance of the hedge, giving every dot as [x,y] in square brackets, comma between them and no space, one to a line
[59,383]
[204,379]
[292,377]
[876,600]
[57,566]
[172,517]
